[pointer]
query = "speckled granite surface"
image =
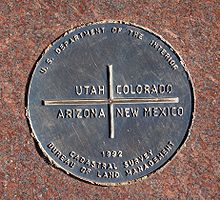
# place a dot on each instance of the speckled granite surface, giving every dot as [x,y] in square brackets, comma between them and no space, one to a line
[28,27]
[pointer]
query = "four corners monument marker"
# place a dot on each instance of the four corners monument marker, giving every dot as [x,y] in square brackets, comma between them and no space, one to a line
[110,102]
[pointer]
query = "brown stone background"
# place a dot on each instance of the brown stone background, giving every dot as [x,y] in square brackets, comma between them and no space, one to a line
[27,27]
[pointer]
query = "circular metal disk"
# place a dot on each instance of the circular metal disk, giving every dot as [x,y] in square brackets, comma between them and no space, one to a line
[110,102]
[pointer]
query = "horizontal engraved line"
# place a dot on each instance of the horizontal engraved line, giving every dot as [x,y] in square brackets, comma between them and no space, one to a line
[146,100]
[75,102]
[112,101]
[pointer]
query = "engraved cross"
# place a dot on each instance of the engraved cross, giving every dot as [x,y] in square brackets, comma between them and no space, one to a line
[110,101]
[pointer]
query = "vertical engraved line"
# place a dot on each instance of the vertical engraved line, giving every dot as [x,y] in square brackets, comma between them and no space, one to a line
[111,107]
[112,131]
[110,72]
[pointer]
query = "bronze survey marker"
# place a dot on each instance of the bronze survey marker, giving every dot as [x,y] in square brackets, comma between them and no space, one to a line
[110,102]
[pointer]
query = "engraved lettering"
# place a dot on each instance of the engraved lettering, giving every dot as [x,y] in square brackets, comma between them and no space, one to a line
[74,38]
[162,111]
[138,89]
[101,89]
[63,158]
[127,112]
[86,113]
[43,70]
[68,113]
[93,90]
[116,29]
[89,90]
[135,34]
[180,111]
[86,87]
[85,170]
[137,160]
[164,53]
[125,89]
[92,163]
[113,154]
[49,60]
[78,90]
[91,32]
[101,113]
[60,114]
[79,113]
[109,174]
[117,89]
[58,50]
[136,166]
[144,89]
